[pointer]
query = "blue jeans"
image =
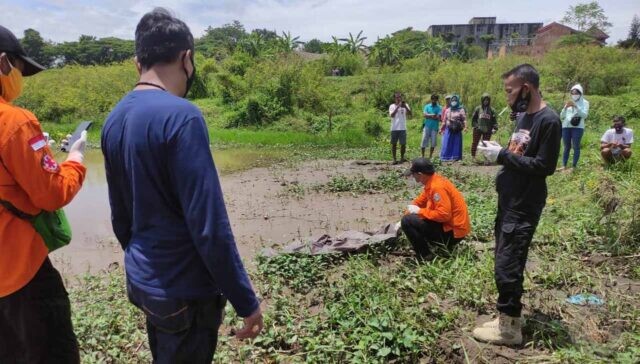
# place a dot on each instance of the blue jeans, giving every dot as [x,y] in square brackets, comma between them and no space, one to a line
[180,331]
[571,137]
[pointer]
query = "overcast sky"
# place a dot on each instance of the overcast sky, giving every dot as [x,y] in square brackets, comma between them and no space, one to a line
[66,20]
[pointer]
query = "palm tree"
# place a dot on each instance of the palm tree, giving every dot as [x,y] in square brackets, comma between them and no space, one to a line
[254,44]
[487,38]
[289,43]
[433,45]
[354,44]
[385,52]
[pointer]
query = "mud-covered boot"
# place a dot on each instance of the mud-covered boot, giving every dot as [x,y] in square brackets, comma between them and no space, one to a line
[495,322]
[507,332]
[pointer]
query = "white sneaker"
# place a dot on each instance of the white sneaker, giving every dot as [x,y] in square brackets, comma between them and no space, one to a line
[507,332]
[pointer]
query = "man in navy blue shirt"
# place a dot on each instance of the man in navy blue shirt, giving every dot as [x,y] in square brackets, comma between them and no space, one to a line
[167,207]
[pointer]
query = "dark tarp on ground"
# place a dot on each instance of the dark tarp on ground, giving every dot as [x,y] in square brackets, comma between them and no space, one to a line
[347,241]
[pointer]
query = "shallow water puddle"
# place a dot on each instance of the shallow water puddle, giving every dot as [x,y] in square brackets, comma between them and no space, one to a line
[93,247]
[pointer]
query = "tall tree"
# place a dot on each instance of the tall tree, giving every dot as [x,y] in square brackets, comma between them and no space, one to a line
[586,16]
[633,39]
[313,46]
[35,46]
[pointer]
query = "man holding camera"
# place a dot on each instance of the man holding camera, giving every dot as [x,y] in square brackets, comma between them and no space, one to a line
[398,111]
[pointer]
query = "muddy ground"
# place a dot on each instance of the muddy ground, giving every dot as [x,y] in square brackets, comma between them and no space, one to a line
[268,207]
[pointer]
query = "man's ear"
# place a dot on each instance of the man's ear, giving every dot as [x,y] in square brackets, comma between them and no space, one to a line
[138,65]
[4,64]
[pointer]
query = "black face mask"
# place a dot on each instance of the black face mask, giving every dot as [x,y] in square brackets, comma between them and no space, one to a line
[522,103]
[434,102]
[191,78]
[618,130]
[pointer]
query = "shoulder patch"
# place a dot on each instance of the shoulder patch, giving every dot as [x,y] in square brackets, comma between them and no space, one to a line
[49,164]
[37,142]
[436,197]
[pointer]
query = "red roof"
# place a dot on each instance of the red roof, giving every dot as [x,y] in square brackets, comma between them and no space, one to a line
[554,24]
[594,32]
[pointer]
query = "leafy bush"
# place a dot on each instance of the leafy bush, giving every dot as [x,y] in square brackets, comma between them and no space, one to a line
[76,93]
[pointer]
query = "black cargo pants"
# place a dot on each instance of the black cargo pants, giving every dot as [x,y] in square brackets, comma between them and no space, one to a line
[35,322]
[514,232]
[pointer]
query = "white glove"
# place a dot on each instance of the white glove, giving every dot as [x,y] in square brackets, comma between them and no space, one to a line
[76,152]
[413,209]
[489,150]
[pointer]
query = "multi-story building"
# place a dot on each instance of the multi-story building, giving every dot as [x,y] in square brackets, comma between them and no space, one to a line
[512,34]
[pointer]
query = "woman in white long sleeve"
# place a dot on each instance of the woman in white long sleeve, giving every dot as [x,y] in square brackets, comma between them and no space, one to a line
[573,115]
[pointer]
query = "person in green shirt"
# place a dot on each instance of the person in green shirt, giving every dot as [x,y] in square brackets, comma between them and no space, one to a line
[484,122]
[431,125]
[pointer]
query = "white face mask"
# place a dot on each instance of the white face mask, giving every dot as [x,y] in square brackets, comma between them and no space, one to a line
[575,97]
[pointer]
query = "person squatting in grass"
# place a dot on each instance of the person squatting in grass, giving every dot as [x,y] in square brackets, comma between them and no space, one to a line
[615,144]
[484,123]
[35,312]
[432,113]
[438,218]
[573,115]
[531,156]
[168,211]
[398,112]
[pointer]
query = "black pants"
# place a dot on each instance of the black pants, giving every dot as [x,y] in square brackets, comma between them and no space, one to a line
[35,322]
[426,236]
[180,331]
[514,232]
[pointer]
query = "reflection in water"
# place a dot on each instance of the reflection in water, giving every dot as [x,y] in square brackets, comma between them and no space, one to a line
[93,247]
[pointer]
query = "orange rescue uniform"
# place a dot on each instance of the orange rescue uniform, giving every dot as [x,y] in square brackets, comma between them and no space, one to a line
[32,181]
[442,202]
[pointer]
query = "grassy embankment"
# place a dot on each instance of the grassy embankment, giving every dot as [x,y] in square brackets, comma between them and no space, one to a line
[380,306]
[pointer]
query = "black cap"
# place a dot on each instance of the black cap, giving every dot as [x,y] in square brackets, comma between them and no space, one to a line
[10,44]
[421,165]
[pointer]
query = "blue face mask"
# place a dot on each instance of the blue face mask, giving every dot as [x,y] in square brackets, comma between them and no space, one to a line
[454,103]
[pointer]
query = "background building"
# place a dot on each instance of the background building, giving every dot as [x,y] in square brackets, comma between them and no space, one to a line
[513,34]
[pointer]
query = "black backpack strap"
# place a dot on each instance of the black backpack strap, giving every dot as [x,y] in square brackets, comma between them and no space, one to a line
[7,205]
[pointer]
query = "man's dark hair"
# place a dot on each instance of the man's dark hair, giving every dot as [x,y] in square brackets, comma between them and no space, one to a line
[434,96]
[160,37]
[397,94]
[619,119]
[526,73]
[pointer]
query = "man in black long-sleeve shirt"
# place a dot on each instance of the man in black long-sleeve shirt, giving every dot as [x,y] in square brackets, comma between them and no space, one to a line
[531,156]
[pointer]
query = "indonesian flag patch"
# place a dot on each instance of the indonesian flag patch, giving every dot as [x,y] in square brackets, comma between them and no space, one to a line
[49,164]
[37,142]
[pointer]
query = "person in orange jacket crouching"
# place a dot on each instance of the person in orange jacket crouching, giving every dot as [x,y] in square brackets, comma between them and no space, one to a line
[438,218]
[35,314]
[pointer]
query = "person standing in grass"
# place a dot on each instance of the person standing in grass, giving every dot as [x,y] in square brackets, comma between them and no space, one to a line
[35,312]
[521,184]
[431,125]
[438,219]
[455,123]
[398,111]
[167,207]
[573,115]
[615,144]
[484,123]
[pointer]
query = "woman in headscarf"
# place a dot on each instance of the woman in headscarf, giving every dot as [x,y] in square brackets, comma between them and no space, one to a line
[454,124]
[572,115]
